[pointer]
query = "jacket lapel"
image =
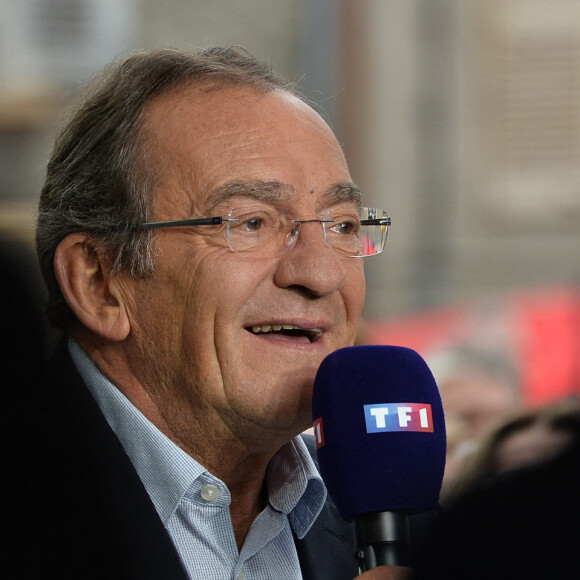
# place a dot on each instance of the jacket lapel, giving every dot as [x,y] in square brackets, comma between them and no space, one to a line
[327,550]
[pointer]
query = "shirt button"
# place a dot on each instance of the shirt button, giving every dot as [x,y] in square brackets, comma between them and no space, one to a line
[210,492]
[241,575]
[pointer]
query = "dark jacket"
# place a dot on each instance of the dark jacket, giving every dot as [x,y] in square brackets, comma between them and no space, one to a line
[522,525]
[76,508]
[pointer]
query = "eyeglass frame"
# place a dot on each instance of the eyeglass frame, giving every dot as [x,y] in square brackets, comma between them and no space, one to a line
[219,220]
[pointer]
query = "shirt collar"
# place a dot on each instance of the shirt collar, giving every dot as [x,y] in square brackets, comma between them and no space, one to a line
[295,487]
[164,468]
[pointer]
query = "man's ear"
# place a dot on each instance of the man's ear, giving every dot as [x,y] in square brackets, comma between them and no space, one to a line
[91,292]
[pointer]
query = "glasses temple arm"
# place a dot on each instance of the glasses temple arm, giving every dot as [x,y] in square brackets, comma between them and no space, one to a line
[376,222]
[210,221]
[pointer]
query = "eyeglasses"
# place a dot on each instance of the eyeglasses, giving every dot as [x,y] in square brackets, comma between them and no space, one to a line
[354,232]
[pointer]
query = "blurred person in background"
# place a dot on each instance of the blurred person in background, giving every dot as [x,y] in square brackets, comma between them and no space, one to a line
[523,440]
[201,240]
[516,516]
[479,388]
[23,343]
[25,331]
[23,347]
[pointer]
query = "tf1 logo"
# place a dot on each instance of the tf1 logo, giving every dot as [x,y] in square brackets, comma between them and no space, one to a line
[389,417]
[386,417]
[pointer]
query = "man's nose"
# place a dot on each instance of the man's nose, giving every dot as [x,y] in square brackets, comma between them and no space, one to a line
[310,262]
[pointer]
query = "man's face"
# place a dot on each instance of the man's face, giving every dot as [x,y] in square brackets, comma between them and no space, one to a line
[194,338]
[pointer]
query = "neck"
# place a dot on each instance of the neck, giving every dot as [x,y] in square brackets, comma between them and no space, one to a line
[244,473]
[235,453]
[249,497]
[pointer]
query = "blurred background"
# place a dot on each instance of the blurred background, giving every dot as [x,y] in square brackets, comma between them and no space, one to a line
[460,117]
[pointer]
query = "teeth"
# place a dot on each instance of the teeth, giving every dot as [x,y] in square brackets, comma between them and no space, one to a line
[277,327]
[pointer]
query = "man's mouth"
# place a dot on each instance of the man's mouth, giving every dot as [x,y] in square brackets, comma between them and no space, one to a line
[290,330]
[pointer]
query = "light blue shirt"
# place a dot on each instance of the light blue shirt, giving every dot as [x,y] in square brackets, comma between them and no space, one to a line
[194,505]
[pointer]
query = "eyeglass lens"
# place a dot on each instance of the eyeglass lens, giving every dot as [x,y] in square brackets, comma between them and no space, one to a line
[264,229]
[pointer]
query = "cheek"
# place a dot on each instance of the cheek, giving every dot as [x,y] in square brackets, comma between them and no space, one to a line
[354,291]
[172,299]
[222,287]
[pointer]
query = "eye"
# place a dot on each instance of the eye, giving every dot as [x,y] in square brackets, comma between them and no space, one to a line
[252,220]
[345,227]
[253,224]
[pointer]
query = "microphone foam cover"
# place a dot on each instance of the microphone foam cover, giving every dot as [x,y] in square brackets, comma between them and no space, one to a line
[380,430]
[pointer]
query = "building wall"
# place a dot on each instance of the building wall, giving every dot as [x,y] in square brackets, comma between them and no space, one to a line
[460,117]
[470,136]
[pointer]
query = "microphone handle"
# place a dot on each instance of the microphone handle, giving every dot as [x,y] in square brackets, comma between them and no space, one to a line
[382,539]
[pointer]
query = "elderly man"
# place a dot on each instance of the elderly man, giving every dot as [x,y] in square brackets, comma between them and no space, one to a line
[201,240]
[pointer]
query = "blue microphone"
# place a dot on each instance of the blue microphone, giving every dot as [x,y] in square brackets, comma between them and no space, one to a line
[381,444]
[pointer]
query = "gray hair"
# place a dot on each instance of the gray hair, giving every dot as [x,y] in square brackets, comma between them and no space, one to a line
[99,180]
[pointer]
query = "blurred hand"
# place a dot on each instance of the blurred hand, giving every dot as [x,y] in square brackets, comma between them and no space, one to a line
[387,573]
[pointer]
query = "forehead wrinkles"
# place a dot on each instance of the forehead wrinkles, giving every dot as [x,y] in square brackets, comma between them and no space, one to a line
[177,157]
[210,116]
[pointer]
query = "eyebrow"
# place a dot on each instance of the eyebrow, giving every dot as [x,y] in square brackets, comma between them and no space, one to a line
[276,191]
[269,191]
[344,191]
